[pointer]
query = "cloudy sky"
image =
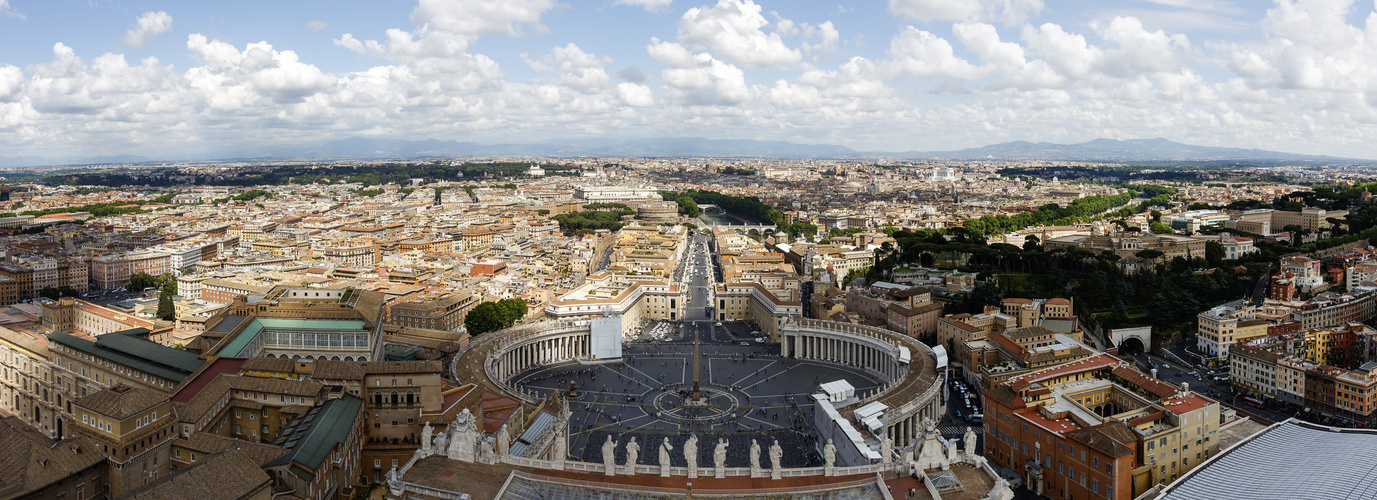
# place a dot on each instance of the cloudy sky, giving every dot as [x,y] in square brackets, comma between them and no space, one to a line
[163,79]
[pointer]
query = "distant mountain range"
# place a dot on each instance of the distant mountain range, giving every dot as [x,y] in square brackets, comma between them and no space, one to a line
[359,147]
[1135,150]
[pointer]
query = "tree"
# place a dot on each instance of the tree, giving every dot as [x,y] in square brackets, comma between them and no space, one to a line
[1156,216]
[493,316]
[139,281]
[1031,244]
[484,318]
[687,206]
[1149,254]
[1214,253]
[1159,228]
[49,293]
[166,310]
[512,310]
[926,259]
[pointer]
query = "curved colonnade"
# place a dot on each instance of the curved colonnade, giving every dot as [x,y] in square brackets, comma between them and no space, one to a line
[910,389]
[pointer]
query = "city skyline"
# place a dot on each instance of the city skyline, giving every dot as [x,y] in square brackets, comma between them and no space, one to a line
[163,79]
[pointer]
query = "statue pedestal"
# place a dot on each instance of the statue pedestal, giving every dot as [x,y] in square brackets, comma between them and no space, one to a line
[720,472]
[757,472]
[774,473]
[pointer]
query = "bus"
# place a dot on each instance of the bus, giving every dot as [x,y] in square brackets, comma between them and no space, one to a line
[1253,402]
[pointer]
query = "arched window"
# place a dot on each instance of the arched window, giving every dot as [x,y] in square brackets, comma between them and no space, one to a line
[409,398]
[394,398]
[377,398]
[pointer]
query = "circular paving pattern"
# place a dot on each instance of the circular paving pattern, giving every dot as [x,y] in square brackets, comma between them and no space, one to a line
[752,394]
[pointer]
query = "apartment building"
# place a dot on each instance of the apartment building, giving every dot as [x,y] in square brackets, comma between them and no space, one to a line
[1096,429]
[352,256]
[134,427]
[75,315]
[113,271]
[445,311]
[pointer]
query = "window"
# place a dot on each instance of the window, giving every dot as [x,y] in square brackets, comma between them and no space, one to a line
[377,463]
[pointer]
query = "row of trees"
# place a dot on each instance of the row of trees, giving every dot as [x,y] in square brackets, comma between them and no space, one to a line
[1050,214]
[592,220]
[493,316]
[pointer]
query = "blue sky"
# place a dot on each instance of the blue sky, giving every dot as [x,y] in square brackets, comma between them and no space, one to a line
[170,79]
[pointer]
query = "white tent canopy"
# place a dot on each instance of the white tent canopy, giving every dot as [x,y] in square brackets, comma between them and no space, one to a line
[838,391]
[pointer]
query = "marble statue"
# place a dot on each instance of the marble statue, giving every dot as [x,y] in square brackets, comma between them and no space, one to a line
[609,458]
[887,450]
[932,453]
[691,455]
[560,450]
[665,448]
[970,440]
[463,441]
[425,438]
[776,454]
[633,452]
[719,458]
[829,457]
[755,458]
[502,440]
[441,443]
[485,452]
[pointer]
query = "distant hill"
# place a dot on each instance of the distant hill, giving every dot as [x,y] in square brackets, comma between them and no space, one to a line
[360,147]
[1133,150]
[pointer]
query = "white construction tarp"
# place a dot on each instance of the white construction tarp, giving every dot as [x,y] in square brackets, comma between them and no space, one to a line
[874,424]
[870,410]
[941,354]
[904,356]
[838,391]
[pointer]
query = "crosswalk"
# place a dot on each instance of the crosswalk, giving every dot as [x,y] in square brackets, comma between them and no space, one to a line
[958,430]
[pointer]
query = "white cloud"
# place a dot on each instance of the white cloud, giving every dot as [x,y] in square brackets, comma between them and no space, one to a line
[444,28]
[7,11]
[919,53]
[1305,84]
[577,69]
[233,79]
[11,83]
[635,94]
[317,25]
[1010,12]
[733,30]
[648,5]
[148,27]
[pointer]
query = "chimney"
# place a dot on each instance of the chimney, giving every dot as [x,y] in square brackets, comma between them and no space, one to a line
[1185,388]
[1154,373]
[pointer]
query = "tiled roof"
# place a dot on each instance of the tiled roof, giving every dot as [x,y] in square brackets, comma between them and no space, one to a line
[337,370]
[230,474]
[208,443]
[121,401]
[31,461]
[400,367]
[1112,439]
